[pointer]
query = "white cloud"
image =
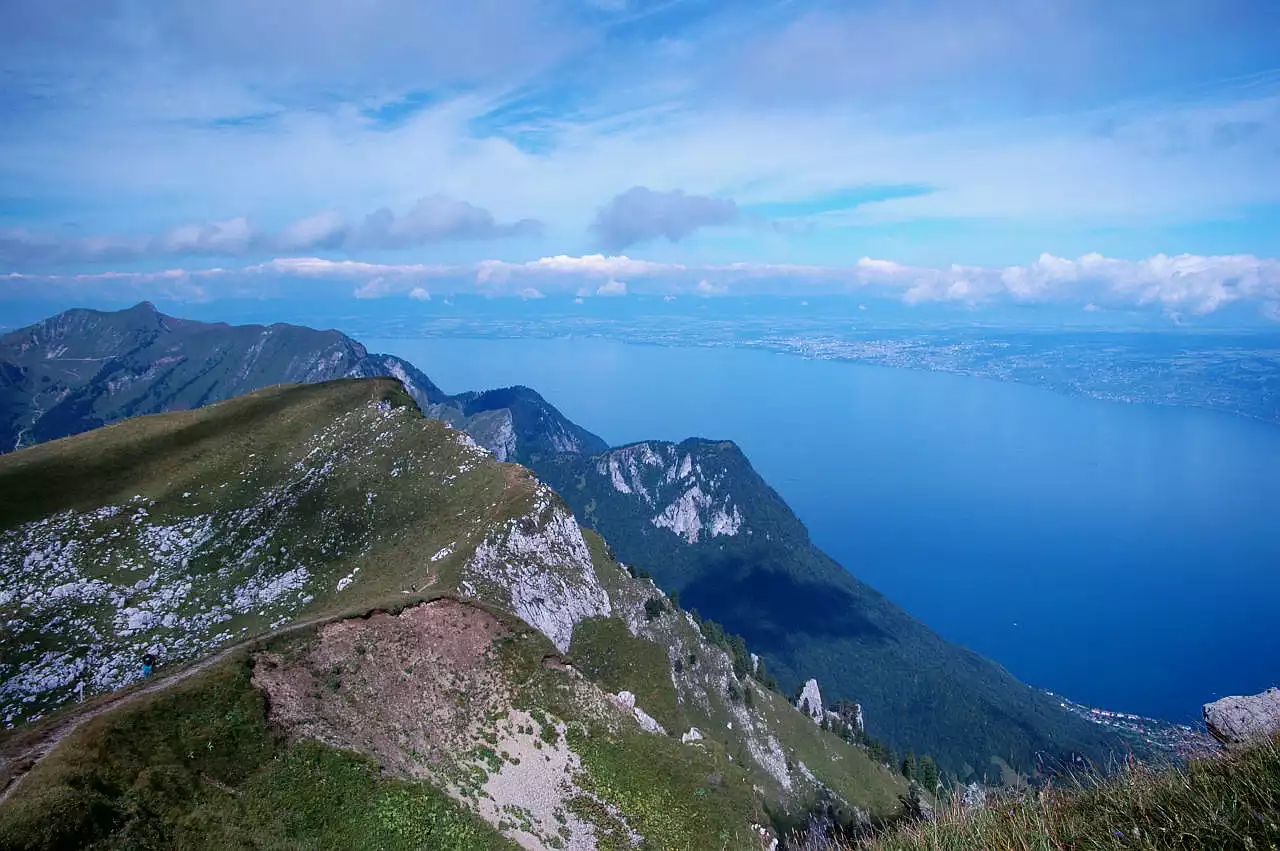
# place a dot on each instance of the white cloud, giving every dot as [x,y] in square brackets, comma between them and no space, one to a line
[326,229]
[1185,284]
[419,294]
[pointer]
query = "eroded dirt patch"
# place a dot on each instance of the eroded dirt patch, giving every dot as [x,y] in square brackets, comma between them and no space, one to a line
[422,692]
[412,690]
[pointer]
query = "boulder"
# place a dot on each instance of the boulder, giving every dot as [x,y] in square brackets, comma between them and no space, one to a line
[1234,720]
[648,723]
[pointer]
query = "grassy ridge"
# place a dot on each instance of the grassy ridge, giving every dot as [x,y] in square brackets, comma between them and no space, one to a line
[1229,800]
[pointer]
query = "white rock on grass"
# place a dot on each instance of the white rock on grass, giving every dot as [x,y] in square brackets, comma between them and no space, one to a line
[647,722]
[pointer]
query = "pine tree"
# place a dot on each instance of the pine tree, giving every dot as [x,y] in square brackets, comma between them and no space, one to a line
[928,773]
[909,767]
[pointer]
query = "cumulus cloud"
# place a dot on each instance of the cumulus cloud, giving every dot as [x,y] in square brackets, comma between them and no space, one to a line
[419,294]
[705,287]
[641,215]
[432,219]
[612,288]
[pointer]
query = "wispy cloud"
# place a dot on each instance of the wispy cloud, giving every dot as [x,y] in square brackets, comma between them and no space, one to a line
[1185,284]
[431,220]
[871,128]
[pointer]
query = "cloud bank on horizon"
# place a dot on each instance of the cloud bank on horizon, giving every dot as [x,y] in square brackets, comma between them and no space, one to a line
[1179,285]
[520,146]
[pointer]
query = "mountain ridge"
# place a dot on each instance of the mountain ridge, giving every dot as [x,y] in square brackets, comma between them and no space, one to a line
[467,633]
[86,368]
[701,520]
[760,574]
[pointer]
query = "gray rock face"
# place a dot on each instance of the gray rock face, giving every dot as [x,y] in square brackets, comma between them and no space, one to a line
[810,701]
[1233,720]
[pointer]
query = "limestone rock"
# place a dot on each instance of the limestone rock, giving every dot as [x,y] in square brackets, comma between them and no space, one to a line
[1233,720]
[810,701]
[647,722]
[694,735]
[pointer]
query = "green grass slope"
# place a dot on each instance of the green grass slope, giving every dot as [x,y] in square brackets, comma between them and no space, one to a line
[198,766]
[685,681]
[1229,800]
[181,533]
[700,520]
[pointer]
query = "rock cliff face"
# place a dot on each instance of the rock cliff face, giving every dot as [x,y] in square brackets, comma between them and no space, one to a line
[1235,720]
[810,701]
[538,563]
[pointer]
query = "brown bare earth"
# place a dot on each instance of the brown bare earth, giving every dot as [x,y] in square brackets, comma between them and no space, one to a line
[421,693]
[411,690]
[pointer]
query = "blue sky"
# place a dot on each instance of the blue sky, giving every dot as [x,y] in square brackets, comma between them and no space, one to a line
[779,143]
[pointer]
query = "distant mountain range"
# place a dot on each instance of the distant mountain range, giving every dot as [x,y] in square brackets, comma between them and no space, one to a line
[695,515]
[83,369]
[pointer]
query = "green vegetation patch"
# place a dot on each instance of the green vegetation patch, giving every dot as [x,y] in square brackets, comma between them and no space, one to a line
[605,651]
[196,766]
[677,797]
[844,768]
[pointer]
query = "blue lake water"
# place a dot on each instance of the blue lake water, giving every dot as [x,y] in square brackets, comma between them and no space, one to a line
[1126,556]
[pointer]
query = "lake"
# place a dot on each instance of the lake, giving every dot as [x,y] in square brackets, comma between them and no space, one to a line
[1122,555]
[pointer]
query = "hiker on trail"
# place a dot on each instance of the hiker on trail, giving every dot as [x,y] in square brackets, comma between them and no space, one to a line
[148,662]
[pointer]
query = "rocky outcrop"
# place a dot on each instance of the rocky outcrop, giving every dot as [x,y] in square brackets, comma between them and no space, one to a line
[1234,720]
[540,565]
[848,714]
[810,701]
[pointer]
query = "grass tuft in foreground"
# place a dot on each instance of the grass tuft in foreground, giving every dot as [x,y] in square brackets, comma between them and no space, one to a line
[1229,800]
